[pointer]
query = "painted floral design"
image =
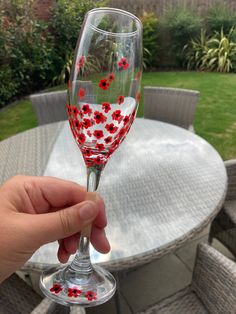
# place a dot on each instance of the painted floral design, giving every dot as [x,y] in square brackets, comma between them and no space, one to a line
[123,64]
[126,120]
[87,123]
[80,63]
[120,99]
[108,140]
[81,93]
[98,134]
[104,84]
[56,288]
[116,115]
[111,77]
[99,117]
[86,109]
[100,146]
[81,138]
[111,128]
[90,295]
[73,292]
[106,106]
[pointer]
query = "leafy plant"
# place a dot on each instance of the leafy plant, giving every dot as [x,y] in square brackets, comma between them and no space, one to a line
[216,53]
[181,25]
[150,39]
[219,16]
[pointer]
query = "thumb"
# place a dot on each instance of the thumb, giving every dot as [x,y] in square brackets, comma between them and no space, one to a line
[62,223]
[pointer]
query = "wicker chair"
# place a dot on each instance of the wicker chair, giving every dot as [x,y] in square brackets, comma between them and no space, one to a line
[50,107]
[19,298]
[213,287]
[223,227]
[172,105]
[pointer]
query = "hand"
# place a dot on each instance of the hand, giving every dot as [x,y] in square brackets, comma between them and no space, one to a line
[38,210]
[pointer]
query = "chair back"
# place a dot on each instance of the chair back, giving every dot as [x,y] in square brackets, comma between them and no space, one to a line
[50,107]
[172,105]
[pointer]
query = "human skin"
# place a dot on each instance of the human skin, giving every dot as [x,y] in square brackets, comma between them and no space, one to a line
[38,210]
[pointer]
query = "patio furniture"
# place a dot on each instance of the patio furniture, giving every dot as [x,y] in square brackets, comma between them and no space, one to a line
[165,182]
[51,107]
[17,297]
[213,287]
[223,227]
[172,105]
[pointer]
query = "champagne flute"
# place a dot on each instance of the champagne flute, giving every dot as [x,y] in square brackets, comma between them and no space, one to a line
[103,96]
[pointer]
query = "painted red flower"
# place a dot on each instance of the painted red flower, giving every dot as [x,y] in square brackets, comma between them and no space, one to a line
[87,123]
[69,110]
[89,133]
[86,109]
[99,161]
[111,77]
[90,295]
[98,134]
[87,152]
[99,117]
[116,115]
[138,97]
[120,99]
[104,84]
[108,139]
[56,288]
[106,106]
[80,62]
[76,124]
[81,93]
[111,128]
[126,120]
[115,144]
[121,133]
[73,292]
[100,146]
[75,111]
[81,138]
[123,64]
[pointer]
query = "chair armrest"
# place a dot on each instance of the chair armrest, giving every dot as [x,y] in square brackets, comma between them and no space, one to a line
[231,172]
[214,280]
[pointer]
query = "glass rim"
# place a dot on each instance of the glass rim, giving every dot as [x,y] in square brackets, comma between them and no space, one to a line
[119,11]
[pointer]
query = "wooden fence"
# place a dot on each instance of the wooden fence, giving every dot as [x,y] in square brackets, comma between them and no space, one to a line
[159,7]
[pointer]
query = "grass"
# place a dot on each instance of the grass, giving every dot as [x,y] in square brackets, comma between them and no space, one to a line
[215,116]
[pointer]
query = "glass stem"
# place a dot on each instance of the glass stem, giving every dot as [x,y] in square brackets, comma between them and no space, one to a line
[81,263]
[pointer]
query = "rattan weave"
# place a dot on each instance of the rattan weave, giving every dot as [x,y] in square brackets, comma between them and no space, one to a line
[223,227]
[172,105]
[213,288]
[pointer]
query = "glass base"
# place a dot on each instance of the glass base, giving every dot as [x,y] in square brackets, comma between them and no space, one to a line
[62,286]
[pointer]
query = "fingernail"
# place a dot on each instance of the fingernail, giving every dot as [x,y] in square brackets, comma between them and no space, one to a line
[87,211]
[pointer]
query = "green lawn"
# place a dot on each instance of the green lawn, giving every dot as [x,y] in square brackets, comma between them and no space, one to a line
[215,116]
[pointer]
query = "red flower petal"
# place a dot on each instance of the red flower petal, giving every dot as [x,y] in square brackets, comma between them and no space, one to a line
[98,134]
[81,138]
[111,77]
[108,139]
[86,109]
[120,99]
[99,117]
[104,84]
[106,106]
[81,93]
[111,128]
[100,146]
[87,123]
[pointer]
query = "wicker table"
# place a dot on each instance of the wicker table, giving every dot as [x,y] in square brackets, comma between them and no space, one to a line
[161,187]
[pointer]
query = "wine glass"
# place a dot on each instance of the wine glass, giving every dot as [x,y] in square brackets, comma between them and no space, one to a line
[103,96]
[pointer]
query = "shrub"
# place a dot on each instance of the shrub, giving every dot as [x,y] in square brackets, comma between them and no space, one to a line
[219,16]
[181,25]
[216,53]
[26,50]
[67,19]
[150,38]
